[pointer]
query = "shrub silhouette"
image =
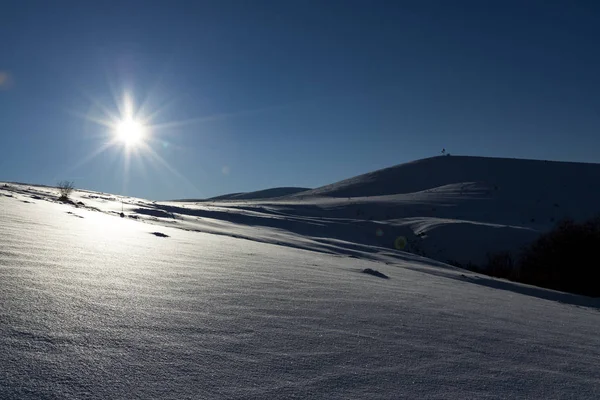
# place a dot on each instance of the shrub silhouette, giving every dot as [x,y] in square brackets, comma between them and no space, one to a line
[565,258]
[65,188]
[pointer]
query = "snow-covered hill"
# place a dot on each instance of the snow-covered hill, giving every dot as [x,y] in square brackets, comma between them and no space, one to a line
[461,208]
[96,306]
[261,194]
[448,208]
[510,177]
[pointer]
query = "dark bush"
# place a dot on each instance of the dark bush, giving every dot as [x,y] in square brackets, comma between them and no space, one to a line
[65,188]
[566,258]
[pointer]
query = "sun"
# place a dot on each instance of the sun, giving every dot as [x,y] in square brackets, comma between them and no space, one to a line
[130,131]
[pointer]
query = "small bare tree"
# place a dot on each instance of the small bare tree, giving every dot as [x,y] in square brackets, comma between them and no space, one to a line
[65,188]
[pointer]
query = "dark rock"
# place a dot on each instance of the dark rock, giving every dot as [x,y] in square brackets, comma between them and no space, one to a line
[374,273]
[159,234]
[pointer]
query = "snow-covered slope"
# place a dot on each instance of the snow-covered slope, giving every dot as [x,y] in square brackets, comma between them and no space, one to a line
[100,307]
[450,208]
[465,207]
[260,194]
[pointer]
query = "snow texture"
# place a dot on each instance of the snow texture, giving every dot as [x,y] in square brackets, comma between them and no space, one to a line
[270,299]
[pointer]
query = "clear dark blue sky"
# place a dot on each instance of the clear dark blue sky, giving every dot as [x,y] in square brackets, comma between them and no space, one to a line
[250,94]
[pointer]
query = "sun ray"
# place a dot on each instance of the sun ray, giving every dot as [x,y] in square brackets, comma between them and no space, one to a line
[193,121]
[151,116]
[142,162]
[219,117]
[104,122]
[152,93]
[110,115]
[171,169]
[90,157]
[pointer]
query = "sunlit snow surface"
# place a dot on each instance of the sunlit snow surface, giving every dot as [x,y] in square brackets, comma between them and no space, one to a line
[96,306]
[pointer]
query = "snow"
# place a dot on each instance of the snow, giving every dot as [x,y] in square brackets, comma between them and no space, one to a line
[260,194]
[268,299]
[508,176]
[451,209]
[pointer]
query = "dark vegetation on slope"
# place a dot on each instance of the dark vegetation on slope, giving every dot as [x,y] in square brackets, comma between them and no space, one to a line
[566,259]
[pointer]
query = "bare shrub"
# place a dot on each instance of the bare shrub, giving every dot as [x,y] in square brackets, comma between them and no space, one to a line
[65,188]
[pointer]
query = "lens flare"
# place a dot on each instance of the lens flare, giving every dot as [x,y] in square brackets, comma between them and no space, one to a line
[400,243]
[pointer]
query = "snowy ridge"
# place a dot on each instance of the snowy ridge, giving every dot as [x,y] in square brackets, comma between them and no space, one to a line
[510,175]
[261,194]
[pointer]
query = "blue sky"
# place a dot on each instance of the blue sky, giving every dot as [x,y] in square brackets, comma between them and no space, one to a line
[247,95]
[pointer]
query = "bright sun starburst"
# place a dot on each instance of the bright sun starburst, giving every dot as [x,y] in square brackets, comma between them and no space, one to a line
[130,131]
